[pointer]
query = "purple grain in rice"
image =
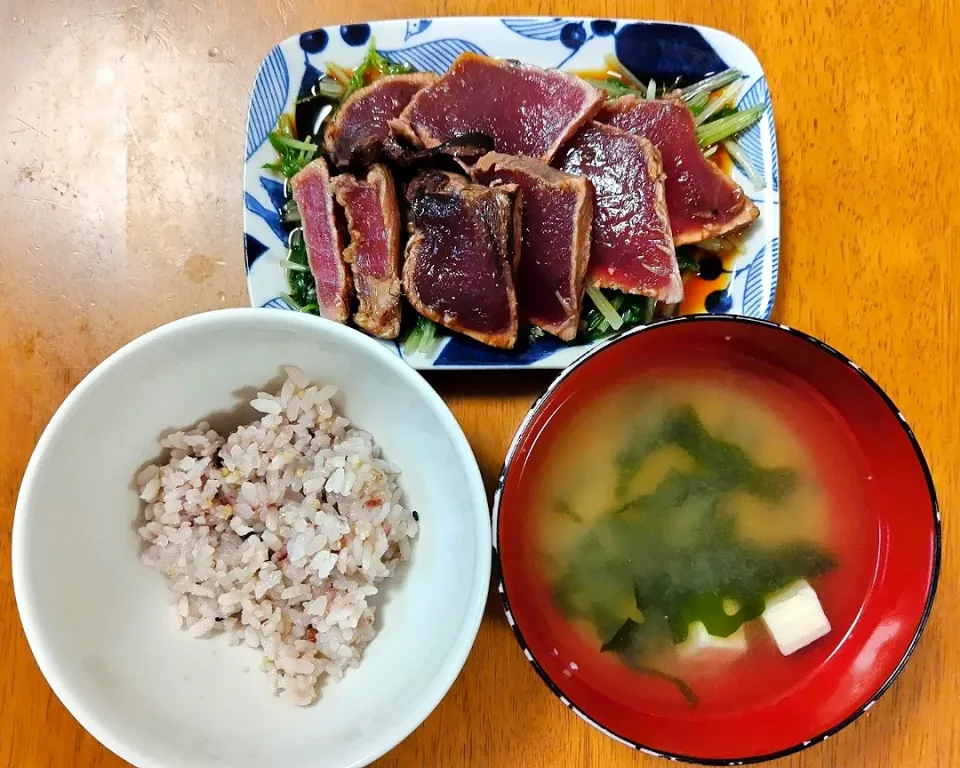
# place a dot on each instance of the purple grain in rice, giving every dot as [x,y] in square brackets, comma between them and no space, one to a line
[278,534]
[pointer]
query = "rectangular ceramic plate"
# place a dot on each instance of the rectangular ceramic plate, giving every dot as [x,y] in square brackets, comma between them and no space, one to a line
[650,49]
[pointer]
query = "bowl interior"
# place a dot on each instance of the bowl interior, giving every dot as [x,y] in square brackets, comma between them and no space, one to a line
[99,621]
[896,541]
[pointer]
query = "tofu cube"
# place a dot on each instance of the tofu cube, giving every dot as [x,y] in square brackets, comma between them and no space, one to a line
[795,618]
[699,640]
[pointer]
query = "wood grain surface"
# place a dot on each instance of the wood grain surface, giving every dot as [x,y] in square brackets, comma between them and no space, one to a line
[122,132]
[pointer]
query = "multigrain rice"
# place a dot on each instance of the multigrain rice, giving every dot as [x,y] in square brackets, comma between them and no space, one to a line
[279,534]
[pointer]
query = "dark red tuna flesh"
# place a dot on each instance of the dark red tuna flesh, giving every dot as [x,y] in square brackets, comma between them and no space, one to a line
[460,257]
[632,249]
[321,233]
[373,221]
[703,201]
[526,110]
[361,125]
[556,215]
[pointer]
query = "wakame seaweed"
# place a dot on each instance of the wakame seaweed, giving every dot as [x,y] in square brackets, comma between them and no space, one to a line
[564,508]
[657,562]
[724,464]
[628,642]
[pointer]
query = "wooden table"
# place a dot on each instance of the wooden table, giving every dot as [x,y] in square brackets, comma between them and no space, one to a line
[120,205]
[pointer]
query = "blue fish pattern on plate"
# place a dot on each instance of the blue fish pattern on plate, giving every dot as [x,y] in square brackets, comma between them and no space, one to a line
[651,49]
[537,29]
[310,77]
[268,214]
[314,41]
[415,27]
[276,303]
[268,99]
[253,249]
[760,287]
[435,56]
[752,140]
[355,34]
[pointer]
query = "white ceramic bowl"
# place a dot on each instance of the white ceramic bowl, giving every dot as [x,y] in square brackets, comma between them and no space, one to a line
[98,620]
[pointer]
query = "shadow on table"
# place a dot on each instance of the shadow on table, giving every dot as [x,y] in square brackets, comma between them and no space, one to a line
[490,383]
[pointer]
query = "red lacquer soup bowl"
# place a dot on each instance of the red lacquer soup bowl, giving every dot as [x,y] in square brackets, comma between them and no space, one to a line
[878,596]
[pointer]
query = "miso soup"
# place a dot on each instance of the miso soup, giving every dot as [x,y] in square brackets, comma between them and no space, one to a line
[673,508]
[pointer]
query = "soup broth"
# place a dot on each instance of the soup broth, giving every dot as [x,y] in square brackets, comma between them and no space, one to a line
[675,498]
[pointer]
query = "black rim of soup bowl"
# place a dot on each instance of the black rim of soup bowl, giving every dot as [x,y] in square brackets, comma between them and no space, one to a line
[505,599]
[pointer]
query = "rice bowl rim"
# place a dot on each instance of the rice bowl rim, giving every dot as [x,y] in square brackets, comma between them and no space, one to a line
[433,692]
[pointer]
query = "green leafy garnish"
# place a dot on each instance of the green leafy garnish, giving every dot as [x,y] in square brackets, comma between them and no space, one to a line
[631,309]
[534,334]
[327,87]
[699,102]
[292,154]
[289,212]
[687,259]
[637,310]
[303,287]
[421,336]
[712,102]
[719,102]
[651,90]
[710,84]
[733,123]
[290,302]
[373,66]
[615,66]
[724,112]
[614,87]
[603,305]
[293,266]
[740,158]
[593,325]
